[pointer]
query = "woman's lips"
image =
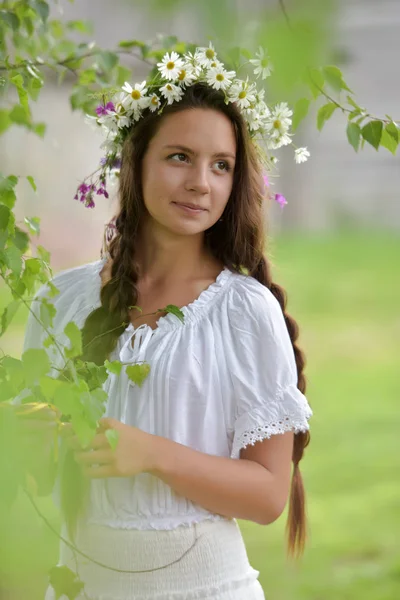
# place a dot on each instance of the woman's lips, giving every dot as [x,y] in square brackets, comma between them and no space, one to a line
[189,209]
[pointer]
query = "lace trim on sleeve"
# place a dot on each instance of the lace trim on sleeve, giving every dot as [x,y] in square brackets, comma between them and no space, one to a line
[290,414]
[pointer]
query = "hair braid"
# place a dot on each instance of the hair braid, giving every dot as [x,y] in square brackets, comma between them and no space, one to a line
[296,523]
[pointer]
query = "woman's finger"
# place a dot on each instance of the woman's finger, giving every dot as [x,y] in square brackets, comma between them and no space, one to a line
[94,457]
[99,472]
[99,441]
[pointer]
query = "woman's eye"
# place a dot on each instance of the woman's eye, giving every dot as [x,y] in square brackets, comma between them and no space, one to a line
[222,165]
[180,155]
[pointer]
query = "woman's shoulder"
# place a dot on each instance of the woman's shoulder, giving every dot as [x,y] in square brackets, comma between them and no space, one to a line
[75,280]
[250,297]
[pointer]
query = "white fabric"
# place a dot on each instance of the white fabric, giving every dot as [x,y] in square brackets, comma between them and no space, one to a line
[209,561]
[221,380]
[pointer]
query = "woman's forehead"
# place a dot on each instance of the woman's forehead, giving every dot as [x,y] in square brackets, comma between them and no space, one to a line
[197,127]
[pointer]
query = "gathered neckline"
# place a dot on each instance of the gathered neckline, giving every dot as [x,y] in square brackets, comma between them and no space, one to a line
[191,311]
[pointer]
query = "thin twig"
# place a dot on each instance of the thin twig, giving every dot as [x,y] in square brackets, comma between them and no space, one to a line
[96,562]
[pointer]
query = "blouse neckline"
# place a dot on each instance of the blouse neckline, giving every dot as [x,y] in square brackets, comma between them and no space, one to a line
[192,312]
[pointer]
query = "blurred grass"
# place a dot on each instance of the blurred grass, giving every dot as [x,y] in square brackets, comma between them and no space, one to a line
[344,293]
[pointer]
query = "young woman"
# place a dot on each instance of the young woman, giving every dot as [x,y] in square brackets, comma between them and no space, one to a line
[210,435]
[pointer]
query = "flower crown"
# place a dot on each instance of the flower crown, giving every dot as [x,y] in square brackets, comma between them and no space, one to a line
[167,84]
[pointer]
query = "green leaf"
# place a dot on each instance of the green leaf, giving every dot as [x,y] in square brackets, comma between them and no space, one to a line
[372,133]
[113,367]
[113,436]
[42,8]
[334,78]
[300,112]
[138,373]
[393,130]
[44,256]
[324,113]
[18,81]
[131,44]
[35,363]
[80,26]
[175,310]
[13,259]
[33,224]
[65,582]
[8,183]
[39,129]
[354,113]
[8,315]
[33,184]
[21,240]
[47,312]
[4,217]
[388,142]
[48,386]
[74,334]
[315,81]
[10,19]
[5,120]
[353,135]
[353,103]
[19,115]
[107,60]
[8,198]
[123,74]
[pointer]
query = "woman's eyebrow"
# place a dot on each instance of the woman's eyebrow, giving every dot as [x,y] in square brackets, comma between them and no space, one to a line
[190,151]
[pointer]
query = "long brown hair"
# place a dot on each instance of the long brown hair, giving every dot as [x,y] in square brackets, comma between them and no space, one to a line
[237,241]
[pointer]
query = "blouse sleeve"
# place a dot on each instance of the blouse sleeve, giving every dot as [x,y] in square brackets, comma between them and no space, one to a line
[78,295]
[263,369]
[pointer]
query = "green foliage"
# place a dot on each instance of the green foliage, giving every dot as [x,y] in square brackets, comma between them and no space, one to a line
[32,44]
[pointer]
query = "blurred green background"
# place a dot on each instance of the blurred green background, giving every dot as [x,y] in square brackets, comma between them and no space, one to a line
[345,295]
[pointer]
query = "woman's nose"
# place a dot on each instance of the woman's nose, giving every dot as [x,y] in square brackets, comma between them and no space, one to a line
[198,180]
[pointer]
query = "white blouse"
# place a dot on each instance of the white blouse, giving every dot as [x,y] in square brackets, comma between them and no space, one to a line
[224,378]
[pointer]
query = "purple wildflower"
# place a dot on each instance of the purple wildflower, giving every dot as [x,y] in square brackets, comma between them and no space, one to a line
[266,181]
[83,188]
[280,199]
[104,110]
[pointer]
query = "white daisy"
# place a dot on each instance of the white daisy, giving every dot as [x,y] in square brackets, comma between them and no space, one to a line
[277,141]
[206,56]
[193,62]
[186,75]
[92,122]
[170,66]
[301,155]
[171,92]
[262,64]
[253,119]
[242,93]
[136,97]
[109,144]
[154,102]
[279,122]
[219,79]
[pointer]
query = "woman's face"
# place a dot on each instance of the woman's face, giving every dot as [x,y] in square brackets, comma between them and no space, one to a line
[190,160]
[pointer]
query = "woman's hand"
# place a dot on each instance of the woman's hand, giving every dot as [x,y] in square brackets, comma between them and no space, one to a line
[134,453]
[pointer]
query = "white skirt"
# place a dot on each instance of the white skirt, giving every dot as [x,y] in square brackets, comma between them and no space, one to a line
[209,562]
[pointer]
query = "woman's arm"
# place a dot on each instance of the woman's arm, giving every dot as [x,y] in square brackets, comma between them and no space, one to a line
[253,488]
